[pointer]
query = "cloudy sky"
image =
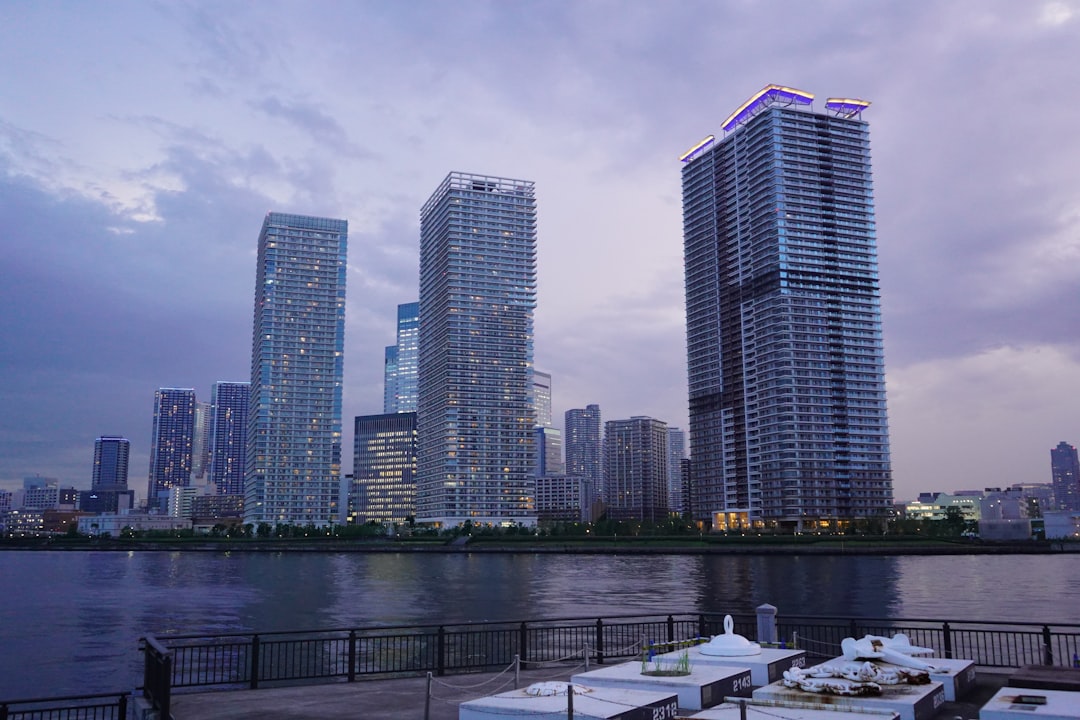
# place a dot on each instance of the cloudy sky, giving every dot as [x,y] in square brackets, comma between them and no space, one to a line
[141,144]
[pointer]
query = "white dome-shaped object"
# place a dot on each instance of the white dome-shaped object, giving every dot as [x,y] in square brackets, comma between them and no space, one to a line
[546,689]
[729,644]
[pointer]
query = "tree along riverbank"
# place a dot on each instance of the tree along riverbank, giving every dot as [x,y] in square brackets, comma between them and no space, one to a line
[632,545]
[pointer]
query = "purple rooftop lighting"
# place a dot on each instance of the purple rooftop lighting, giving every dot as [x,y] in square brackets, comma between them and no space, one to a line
[768,95]
[846,107]
[697,149]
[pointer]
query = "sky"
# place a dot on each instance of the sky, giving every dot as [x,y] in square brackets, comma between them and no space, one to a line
[142,143]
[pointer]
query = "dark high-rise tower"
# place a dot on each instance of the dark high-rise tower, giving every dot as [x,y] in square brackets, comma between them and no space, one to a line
[228,436]
[636,469]
[477,295]
[383,487]
[1065,469]
[171,444]
[582,447]
[788,423]
[293,464]
[111,456]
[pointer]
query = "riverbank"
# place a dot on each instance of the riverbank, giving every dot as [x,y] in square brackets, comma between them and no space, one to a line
[758,545]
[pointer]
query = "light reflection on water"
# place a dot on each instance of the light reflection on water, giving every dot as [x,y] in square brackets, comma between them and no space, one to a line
[70,621]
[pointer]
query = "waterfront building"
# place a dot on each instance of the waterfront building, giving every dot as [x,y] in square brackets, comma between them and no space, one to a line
[475,448]
[228,436]
[676,451]
[788,423]
[541,397]
[113,525]
[170,444]
[293,464]
[5,500]
[180,501]
[383,484]
[400,377]
[564,498]
[635,469]
[200,444]
[1065,474]
[549,459]
[111,456]
[583,444]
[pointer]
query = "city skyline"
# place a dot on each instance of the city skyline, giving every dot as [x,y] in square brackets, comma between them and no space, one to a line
[126,213]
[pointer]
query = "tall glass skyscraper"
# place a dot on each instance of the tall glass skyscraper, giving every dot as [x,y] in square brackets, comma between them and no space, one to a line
[582,438]
[399,383]
[1065,475]
[171,444]
[541,397]
[293,465]
[477,295]
[228,436]
[111,454]
[383,487]
[788,422]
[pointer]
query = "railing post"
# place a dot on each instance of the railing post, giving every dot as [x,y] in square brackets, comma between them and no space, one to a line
[701,625]
[3,711]
[853,629]
[352,655]
[523,646]
[670,629]
[253,681]
[440,645]
[121,708]
[766,624]
[1048,650]
[946,635]
[599,642]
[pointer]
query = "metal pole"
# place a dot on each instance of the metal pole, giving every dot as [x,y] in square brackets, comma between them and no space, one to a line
[742,709]
[570,701]
[427,698]
[517,671]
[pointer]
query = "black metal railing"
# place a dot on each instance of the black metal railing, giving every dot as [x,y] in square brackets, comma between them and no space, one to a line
[110,706]
[157,676]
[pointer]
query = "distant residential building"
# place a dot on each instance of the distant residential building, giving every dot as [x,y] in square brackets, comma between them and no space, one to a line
[969,506]
[111,456]
[564,498]
[200,444]
[26,522]
[676,453]
[46,494]
[787,407]
[114,525]
[1062,525]
[1040,496]
[549,460]
[5,500]
[635,469]
[180,500]
[541,397]
[475,449]
[582,443]
[400,382]
[293,465]
[106,501]
[217,507]
[171,444]
[1065,471]
[383,488]
[228,436]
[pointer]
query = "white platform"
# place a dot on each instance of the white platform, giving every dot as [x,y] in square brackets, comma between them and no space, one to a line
[1060,705]
[705,686]
[910,702]
[765,668]
[771,711]
[599,704]
[956,675]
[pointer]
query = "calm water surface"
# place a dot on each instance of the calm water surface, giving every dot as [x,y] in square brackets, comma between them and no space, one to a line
[70,621]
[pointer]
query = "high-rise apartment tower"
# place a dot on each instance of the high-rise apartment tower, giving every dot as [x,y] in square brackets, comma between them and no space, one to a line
[636,469]
[582,448]
[477,294]
[1065,476]
[788,422]
[111,455]
[383,487]
[293,465]
[171,444]
[228,436]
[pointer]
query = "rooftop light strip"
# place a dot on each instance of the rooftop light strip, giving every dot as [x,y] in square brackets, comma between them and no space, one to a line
[697,149]
[766,96]
[846,106]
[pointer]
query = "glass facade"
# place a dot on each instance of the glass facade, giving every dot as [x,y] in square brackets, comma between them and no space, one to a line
[228,436]
[383,488]
[293,464]
[636,469]
[582,445]
[111,455]
[1065,476]
[477,295]
[786,365]
[171,444]
[400,383]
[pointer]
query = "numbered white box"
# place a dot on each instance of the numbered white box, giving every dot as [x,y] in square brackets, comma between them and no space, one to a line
[592,704]
[704,686]
[765,668]
[910,702]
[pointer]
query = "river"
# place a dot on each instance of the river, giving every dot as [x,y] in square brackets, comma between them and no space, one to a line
[70,621]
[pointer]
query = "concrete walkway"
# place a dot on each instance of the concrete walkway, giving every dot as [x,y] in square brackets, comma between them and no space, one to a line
[406,698]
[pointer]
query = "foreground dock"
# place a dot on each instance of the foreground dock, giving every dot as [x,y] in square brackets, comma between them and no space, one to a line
[408,699]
